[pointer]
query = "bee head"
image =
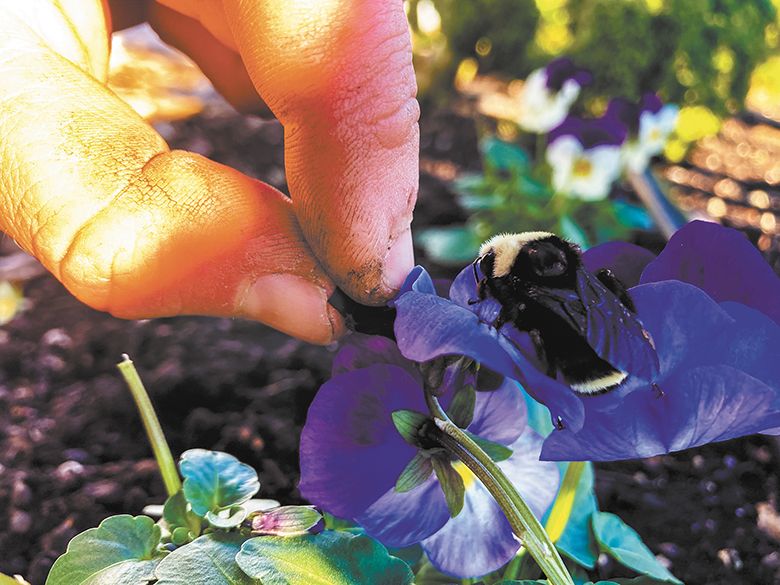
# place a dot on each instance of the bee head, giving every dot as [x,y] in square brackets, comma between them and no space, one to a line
[538,257]
[546,260]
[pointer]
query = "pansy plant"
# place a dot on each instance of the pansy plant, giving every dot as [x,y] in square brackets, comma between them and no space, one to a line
[709,303]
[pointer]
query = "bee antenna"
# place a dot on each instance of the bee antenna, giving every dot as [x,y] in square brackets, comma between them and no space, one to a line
[474,266]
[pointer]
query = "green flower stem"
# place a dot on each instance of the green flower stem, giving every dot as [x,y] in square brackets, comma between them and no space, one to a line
[523,522]
[561,510]
[162,452]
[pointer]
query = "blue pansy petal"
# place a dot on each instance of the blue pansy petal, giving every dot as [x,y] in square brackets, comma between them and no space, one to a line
[477,541]
[500,415]
[699,406]
[720,261]
[351,453]
[491,543]
[752,344]
[417,280]
[626,261]
[358,351]
[428,327]
[682,320]
[402,519]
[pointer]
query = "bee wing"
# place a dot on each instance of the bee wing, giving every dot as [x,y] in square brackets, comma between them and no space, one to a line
[615,333]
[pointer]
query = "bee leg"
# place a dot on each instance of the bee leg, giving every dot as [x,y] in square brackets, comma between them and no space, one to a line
[617,288]
[481,292]
[507,314]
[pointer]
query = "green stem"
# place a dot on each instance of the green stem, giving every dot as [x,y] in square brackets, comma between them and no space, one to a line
[523,522]
[162,452]
[513,568]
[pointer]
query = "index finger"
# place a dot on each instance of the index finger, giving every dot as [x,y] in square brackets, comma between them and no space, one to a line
[338,74]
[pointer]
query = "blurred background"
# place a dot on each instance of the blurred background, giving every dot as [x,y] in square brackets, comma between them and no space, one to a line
[71,445]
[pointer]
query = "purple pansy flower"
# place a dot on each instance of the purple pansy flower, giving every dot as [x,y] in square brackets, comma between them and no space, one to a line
[585,156]
[352,455]
[548,94]
[711,304]
[649,124]
[429,326]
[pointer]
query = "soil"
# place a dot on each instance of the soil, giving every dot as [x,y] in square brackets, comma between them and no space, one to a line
[72,449]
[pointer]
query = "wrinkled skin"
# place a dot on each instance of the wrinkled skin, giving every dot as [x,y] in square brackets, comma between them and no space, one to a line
[133,228]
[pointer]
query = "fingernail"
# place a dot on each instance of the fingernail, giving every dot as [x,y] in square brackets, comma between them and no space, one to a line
[399,261]
[293,305]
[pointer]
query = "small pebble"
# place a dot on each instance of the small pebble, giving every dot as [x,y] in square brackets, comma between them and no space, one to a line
[20,522]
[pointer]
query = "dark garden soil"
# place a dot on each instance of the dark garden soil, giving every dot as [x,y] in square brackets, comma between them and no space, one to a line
[72,449]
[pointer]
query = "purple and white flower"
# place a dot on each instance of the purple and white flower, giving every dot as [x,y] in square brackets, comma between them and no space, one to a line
[352,456]
[649,124]
[549,93]
[585,156]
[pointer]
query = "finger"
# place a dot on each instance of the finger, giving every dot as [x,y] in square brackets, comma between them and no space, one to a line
[338,75]
[220,63]
[128,226]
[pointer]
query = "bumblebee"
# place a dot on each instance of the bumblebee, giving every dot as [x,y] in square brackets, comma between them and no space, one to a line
[583,325]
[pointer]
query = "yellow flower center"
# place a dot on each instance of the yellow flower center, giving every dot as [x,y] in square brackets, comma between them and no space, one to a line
[582,167]
[465,473]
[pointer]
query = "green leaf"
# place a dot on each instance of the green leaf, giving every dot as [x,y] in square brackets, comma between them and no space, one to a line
[123,550]
[621,542]
[214,480]
[428,575]
[461,409]
[450,245]
[496,451]
[451,484]
[180,536]
[329,558]
[572,231]
[633,216]
[577,540]
[504,156]
[287,521]
[227,518]
[208,560]
[408,423]
[415,473]
[176,513]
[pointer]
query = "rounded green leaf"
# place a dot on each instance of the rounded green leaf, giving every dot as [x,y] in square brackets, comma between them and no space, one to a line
[227,518]
[208,560]
[214,480]
[329,558]
[123,550]
[622,543]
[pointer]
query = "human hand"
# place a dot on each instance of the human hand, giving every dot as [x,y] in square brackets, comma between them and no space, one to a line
[135,229]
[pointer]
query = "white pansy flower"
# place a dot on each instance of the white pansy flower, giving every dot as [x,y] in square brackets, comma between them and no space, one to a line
[581,173]
[548,94]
